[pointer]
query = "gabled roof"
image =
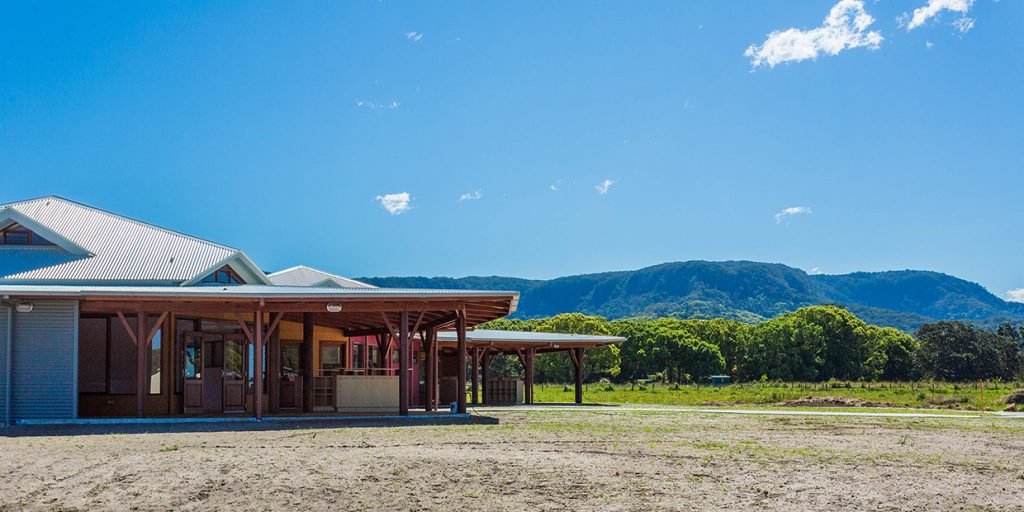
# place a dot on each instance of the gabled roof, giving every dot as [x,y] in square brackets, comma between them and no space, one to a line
[99,246]
[302,275]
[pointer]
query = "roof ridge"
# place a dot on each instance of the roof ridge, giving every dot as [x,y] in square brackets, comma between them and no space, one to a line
[125,218]
[331,275]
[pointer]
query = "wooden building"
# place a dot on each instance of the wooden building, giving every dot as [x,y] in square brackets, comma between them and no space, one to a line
[103,316]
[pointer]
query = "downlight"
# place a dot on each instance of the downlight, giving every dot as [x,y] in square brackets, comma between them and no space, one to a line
[333,307]
[24,307]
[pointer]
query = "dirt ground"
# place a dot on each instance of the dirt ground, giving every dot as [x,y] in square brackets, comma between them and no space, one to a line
[539,460]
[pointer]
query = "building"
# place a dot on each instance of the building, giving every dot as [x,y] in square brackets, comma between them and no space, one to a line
[105,316]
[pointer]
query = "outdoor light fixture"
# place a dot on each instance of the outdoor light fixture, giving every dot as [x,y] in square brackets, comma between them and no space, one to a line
[24,307]
[333,307]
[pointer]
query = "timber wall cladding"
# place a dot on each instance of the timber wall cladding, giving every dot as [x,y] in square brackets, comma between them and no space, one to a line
[43,361]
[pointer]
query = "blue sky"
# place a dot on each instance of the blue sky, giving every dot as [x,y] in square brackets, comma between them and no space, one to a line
[534,139]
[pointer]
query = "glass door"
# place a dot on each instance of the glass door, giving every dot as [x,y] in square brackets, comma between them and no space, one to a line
[192,371]
[291,375]
[233,373]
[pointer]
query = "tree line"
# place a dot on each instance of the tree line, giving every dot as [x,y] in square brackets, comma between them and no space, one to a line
[812,344]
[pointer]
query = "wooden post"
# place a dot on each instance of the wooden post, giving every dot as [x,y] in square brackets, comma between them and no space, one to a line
[307,362]
[258,365]
[142,369]
[529,375]
[428,348]
[436,396]
[403,364]
[475,375]
[274,371]
[578,361]
[485,364]
[382,351]
[460,392]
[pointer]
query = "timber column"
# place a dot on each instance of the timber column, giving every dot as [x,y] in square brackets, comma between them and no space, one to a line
[577,359]
[460,391]
[307,362]
[428,345]
[403,364]
[142,369]
[529,375]
[475,374]
[258,365]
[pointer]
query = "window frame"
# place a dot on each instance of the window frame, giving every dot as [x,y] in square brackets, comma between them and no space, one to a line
[30,237]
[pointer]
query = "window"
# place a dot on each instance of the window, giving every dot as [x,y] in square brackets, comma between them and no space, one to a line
[154,362]
[291,360]
[16,234]
[374,356]
[331,356]
[223,275]
[357,354]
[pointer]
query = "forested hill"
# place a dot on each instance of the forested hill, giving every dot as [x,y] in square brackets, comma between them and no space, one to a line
[743,290]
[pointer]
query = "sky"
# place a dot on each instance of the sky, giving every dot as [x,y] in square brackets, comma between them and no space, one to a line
[534,139]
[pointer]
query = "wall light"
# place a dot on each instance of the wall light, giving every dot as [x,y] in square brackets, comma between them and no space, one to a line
[24,307]
[333,307]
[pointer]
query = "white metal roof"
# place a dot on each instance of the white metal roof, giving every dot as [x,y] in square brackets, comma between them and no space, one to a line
[112,247]
[239,291]
[302,275]
[485,335]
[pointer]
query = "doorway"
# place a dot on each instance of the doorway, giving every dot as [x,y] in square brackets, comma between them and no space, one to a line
[214,371]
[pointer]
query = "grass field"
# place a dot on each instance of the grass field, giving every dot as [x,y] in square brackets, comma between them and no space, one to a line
[540,459]
[903,394]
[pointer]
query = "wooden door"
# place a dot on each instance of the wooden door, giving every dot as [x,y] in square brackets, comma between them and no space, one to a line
[233,373]
[192,372]
[213,375]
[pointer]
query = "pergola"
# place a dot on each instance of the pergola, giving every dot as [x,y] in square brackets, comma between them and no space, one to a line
[484,344]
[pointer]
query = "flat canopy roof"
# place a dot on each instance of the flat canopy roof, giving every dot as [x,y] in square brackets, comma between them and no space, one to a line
[512,340]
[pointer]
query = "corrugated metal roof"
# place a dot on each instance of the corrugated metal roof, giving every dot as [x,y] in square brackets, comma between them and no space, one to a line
[302,275]
[122,249]
[485,335]
[240,291]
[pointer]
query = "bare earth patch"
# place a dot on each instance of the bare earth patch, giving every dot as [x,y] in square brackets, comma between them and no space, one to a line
[538,460]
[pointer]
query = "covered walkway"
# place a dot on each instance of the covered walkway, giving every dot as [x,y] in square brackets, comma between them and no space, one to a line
[484,344]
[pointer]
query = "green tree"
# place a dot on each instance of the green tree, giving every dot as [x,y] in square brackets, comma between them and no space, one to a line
[955,351]
[890,354]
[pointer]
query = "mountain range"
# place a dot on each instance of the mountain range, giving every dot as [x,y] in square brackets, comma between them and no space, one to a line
[743,290]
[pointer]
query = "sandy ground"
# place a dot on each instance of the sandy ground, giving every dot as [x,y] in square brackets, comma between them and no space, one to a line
[542,460]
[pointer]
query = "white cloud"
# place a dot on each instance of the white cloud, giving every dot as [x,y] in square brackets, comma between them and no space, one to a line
[815,271]
[395,204]
[556,185]
[791,211]
[964,25]
[1015,295]
[929,45]
[470,196]
[602,188]
[414,36]
[374,106]
[921,15]
[845,27]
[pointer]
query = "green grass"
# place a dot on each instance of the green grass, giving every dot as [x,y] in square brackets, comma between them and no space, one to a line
[903,394]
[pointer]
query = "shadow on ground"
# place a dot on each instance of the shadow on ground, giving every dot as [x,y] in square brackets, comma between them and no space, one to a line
[239,426]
